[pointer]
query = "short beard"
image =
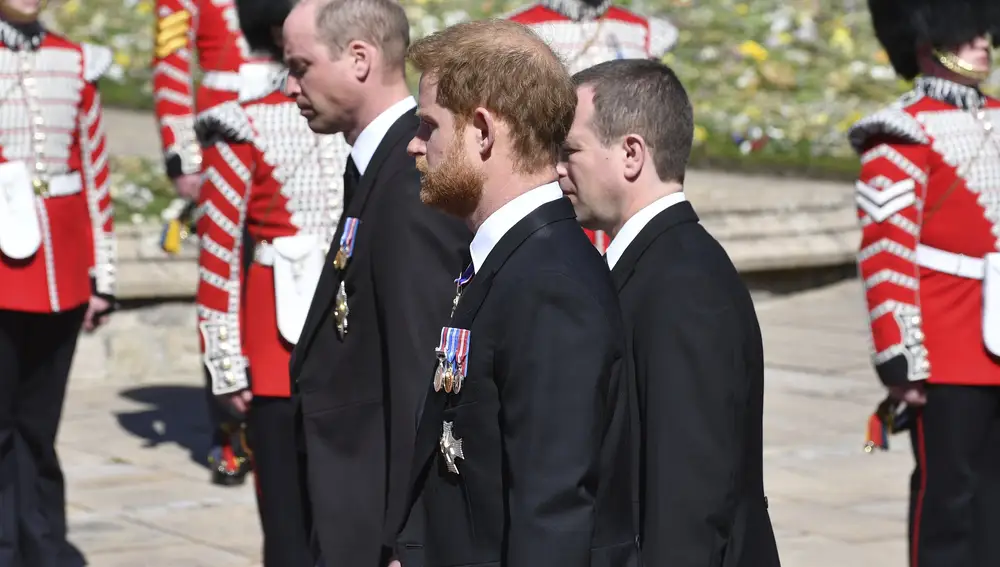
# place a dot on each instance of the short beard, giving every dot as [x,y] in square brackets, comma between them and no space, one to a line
[454,187]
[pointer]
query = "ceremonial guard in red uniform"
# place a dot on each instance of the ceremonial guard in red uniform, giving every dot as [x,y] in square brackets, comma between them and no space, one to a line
[587,32]
[57,264]
[928,201]
[268,173]
[210,28]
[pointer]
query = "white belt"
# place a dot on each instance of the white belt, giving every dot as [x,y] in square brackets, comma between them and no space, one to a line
[264,253]
[222,81]
[65,185]
[951,263]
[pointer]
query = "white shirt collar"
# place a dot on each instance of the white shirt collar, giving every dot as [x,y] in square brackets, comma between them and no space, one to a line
[369,138]
[504,218]
[636,223]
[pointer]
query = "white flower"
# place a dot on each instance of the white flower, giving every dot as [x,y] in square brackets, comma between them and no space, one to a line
[882,73]
[116,73]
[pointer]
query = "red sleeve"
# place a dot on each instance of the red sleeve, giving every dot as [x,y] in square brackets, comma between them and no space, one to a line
[96,184]
[892,183]
[173,89]
[223,201]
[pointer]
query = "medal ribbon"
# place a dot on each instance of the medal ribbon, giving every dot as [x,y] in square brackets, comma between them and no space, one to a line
[466,275]
[451,351]
[463,337]
[442,346]
[347,239]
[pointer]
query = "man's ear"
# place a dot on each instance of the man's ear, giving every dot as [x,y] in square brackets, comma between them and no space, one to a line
[635,152]
[362,55]
[485,124]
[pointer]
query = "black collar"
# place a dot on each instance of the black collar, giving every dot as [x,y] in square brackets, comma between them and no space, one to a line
[21,36]
[578,10]
[670,217]
[955,94]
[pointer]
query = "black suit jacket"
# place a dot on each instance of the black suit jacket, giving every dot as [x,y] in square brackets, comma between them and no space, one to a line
[543,414]
[359,395]
[699,368]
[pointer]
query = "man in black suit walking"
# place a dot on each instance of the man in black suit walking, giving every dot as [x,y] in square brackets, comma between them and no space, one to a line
[522,454]
[693,332]
[359,368]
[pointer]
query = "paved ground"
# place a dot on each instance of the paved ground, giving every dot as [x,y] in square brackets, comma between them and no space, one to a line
[138,498]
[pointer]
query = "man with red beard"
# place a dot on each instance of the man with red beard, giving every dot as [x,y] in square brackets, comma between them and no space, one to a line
[522,454]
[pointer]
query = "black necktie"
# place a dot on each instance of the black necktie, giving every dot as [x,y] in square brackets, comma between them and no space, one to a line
[352,177]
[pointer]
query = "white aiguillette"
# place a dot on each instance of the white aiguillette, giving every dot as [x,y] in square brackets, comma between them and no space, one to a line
[20,235]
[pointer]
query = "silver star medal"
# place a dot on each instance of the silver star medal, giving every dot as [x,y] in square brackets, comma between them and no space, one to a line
[341,311]
[451,448]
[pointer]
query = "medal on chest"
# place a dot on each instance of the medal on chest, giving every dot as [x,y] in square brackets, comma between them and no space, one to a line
[451,447]
[460,285]
[453,359]
[347,239]
[341,310]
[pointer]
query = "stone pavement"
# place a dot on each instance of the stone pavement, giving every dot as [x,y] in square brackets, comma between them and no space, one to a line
[138,498]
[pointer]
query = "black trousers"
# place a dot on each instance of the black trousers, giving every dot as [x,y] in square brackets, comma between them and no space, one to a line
[280,492]
[36,352]
[955,487]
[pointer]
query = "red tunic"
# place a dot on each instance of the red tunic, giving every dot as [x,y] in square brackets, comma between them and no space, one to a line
[210,27]
[265,170]
[585,36]
[52,122]
[929,189]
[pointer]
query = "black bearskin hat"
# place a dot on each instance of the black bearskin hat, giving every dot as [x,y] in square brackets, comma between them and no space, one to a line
[901,26]
[258,19]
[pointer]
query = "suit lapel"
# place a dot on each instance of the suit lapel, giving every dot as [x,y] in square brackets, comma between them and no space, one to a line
[471,301]
[330,279]
[670,217]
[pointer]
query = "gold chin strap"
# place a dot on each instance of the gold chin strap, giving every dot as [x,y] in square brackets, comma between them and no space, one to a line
[959,66]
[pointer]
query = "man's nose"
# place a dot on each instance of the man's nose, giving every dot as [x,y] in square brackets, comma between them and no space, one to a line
[561,169]
[415,147]
[292,86]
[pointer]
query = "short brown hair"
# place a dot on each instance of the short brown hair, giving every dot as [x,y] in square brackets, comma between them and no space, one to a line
[381,23]
[505,67]
[643,97]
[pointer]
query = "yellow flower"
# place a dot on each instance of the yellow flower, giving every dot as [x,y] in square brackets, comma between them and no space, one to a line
[741,9]
[71,7]
[122,59]
[753,50]
[842,39]
[784,38]
[752,112]
[144,7]
[700,134]
[881,56]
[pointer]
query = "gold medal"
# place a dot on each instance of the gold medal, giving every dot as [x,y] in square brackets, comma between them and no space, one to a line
[340,260]
[449,377]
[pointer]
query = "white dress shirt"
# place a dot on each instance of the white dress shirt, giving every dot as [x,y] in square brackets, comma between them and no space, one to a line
[636,223]
[369,138]
[504,218]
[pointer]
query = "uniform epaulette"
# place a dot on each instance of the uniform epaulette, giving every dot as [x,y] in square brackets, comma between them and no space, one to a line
[256,88]
[97,60]
[893,121]
[227,121]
